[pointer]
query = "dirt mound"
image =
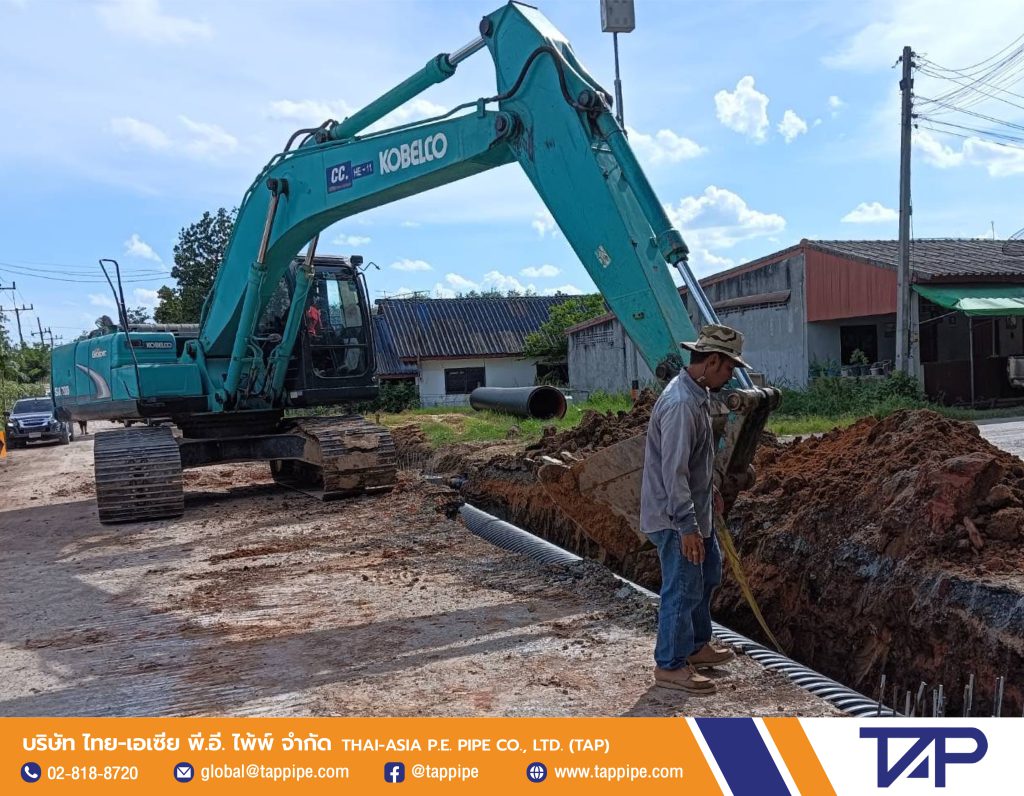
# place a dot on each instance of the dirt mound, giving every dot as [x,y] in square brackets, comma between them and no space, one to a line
[597,429]
[914,485]
[893,546]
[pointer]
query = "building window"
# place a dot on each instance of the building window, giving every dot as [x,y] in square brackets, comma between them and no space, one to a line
[461,381]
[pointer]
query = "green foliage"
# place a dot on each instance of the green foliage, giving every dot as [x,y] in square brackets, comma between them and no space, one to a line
[197,256]
[549,343]
[137,315]
[11,391]
[393,396]
[34,364]
[858,357]
[834,397]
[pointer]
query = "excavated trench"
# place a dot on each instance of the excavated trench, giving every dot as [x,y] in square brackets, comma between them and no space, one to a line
[893,547]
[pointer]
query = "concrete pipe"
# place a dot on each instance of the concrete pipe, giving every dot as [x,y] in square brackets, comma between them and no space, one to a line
[541,403]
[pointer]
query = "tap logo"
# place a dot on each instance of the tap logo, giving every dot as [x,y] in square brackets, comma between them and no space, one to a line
[394,772]
[924,737]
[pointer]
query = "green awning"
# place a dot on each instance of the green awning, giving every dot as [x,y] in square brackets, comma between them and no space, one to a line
[976,299]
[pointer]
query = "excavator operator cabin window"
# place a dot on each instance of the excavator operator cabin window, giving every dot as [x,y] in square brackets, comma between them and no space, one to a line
[339,344]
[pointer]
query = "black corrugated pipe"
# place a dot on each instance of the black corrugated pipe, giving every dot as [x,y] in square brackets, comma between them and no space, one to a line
[512,537]
[541,403]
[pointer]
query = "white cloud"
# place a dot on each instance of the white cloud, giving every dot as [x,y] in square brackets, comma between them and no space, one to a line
[542,272]
[834,104]
[495,280]
[460,282]
[566,290]
[143,19]
[146,298]
[210,140]
[102,300]
[309,111]
[816,122]
[137,247]
[205,142]
[744,110]
[440,291]
[791,126]
[870,213]
[664,146]
[935,152]
[351,240]
[411,224]
[719,219]
[413,265]
[139,132]
[950,36]
[999,161]
[543,222]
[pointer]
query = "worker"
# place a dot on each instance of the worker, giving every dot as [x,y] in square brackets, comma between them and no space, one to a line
[313,321]
[677,504]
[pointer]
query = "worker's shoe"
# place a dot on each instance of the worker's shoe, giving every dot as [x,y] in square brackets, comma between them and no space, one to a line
[710,655]
[685,678]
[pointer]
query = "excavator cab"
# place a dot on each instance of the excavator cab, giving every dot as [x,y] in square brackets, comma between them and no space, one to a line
[332,361]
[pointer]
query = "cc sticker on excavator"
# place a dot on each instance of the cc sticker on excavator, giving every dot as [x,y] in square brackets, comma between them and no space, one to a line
[341,176]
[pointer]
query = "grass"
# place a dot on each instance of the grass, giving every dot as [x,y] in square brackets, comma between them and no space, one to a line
[444,425]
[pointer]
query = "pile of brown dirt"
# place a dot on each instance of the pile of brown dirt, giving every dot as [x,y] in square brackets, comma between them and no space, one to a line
[597,430]
[893,546]
[913,486]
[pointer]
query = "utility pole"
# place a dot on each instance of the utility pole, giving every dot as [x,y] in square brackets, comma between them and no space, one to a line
[904,342]
[42,340]
[17,314]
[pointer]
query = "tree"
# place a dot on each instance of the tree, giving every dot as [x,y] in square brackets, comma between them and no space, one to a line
[197,256]
[137,315]
[549,343]
[34,364]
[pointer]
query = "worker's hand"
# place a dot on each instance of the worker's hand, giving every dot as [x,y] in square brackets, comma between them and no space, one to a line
[693,547]
[719,502]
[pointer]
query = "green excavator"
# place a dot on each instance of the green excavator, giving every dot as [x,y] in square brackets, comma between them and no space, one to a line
[257,353]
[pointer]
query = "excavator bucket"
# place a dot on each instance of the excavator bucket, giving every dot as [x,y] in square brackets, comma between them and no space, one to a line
[601,493]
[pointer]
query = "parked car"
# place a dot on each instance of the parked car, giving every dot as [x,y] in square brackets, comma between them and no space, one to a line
[33,420]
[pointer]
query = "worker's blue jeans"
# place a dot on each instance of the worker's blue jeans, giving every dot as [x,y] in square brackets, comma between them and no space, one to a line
[684,619]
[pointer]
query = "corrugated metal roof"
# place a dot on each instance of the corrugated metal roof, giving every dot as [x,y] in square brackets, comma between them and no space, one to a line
[388,365]
[464,327]
[933,258]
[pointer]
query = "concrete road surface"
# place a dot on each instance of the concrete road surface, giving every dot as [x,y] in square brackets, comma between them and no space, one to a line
[1006,434]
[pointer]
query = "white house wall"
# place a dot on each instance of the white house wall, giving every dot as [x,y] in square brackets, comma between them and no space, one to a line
[498,372]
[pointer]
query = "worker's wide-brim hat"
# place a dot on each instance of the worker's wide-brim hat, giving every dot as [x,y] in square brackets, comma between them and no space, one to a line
[715,339]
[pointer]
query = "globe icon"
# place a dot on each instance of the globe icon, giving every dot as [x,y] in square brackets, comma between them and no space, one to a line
[536,772]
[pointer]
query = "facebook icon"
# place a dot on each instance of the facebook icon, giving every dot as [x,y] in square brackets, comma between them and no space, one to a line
[394,772]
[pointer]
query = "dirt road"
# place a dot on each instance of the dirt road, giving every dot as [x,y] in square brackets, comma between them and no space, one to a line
[264,602]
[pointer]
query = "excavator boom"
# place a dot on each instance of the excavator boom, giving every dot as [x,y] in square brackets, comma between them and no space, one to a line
[551,117]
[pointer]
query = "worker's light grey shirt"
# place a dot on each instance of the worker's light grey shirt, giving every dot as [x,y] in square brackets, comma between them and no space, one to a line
[679,461]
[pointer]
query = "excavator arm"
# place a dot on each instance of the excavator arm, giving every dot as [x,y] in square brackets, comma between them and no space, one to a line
[551,117]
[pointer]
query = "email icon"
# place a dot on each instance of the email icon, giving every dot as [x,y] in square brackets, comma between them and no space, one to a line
[184,772]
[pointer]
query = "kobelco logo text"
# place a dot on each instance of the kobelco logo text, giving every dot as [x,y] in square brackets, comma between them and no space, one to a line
[919,754]
[422,150]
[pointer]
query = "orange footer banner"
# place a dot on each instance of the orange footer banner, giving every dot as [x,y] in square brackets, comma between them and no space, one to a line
[494,756]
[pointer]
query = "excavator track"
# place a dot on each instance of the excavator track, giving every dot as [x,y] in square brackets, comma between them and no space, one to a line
[345,456]
[138,475]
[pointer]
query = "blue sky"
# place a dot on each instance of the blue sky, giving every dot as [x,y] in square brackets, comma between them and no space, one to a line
[759,123]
